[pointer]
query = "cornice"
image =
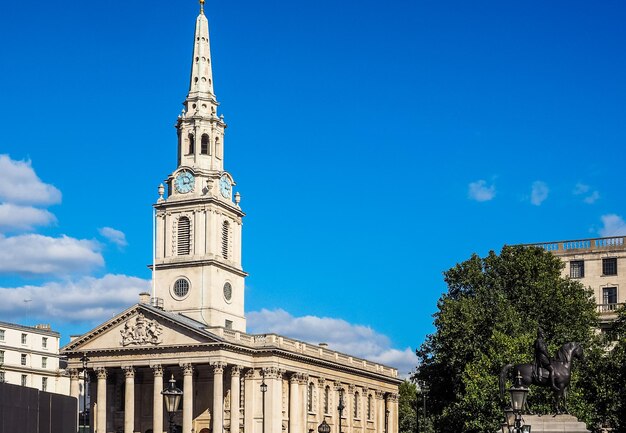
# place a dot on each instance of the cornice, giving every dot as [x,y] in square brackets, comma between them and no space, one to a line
[201,262]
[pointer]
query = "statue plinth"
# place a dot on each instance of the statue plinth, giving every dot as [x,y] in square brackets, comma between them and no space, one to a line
[555,424]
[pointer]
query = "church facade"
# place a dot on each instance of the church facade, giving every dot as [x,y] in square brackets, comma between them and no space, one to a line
[192,328]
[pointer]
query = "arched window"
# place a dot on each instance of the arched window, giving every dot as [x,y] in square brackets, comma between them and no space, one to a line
[184,236]
[369,407]
[192,144]
[355,411]
[218,148]
[204,145]
[225,238]
[326,399]
[309,401]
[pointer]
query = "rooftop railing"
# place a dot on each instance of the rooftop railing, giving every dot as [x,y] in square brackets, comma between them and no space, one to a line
[609,243]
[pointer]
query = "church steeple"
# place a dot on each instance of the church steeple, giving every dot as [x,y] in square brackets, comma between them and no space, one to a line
[201,81]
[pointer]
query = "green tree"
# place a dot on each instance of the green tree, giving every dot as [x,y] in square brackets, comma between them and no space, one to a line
[489,317]
[406,407]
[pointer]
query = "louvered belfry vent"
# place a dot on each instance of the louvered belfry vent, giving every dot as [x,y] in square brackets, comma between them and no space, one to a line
[184,238]
[225,235]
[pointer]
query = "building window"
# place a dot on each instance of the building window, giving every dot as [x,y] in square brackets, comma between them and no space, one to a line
[609,298]
[355,411]
[204,145]
[225,238]
[1,356]
[191,144]
[218,149]
[1,334]
[228,324]
[184,238]
[609,266]
[309,398]
[2,377]
[23,359]
[44,342]
[369,407]
[326,399]
[24,379]
[44,362]
[23,338]
[181,287]
[44,383]
[577,269]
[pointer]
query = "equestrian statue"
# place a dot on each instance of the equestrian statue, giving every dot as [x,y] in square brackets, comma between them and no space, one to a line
[546,372]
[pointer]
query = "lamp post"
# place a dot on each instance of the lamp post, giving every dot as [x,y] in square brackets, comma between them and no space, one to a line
[340,407]
[422,388]
[513,414]
[84,359]
[172,396]
[323,427]
[386,420]
[263,391]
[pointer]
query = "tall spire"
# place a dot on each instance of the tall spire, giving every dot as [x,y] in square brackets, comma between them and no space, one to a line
[201,80]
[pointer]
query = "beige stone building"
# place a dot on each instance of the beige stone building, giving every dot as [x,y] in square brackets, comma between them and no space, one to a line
[192,327]
[598,263]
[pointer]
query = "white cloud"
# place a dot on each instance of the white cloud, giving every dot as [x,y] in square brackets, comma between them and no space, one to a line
[613,225]
[115,236]
[539,192]
[41,255]
[584,190]
[87,299]
[20,184]
[480,191]
[14,217]
[357,340]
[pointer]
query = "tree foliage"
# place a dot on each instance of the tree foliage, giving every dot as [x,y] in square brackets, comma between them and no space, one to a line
[488,318]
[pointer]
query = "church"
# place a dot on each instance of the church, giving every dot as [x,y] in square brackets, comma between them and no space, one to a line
[192,328]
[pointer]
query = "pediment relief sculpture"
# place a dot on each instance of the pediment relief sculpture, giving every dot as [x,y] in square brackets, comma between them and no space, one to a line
[141,331]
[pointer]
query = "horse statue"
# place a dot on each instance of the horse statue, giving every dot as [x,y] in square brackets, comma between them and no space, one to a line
[561,374]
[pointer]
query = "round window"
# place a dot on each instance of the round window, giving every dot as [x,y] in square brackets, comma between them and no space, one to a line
[228,291]
[181,287]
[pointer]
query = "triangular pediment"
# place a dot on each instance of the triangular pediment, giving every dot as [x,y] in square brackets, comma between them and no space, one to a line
[143,327]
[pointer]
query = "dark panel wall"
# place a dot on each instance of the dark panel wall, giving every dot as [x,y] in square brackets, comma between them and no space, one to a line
[27,410]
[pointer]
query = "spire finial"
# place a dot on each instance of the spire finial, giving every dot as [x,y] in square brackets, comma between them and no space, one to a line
[201,6]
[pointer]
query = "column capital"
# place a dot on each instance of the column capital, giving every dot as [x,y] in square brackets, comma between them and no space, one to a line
[392,396]
[235,370]
[380,395]
[321,382]
[249,374]
[129,371]
[157,369]
[338,385]
[73,373]
[272,372]
[187,369]
[101,372]
[218,367]
[351,389]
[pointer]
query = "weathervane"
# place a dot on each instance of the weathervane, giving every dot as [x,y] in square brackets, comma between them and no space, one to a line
[201,6]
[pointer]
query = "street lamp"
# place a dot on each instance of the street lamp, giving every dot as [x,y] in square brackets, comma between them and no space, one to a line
[323,427]
[513,414]
[84,359]
[263,391]
[340,407]
[422,388]
[172,396]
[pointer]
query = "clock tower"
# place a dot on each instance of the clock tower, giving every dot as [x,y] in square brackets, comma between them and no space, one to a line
[197,258]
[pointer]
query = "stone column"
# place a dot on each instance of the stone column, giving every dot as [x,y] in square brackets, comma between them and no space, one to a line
[273,399]
[74,392]
[187,397]
[250,408]
[392,405]
[129,401]
[304,403]
[338,389]
[101,416]
[321,391]
[350,406]
[235,379]
[157,399]
[218,397]
[380,412]
[294,397]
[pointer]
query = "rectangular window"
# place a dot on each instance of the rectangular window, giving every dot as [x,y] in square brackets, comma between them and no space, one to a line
[44,342]
[1,334]
[44,362]
[1,356]
[23,359]
[2,377]
[23,338]
[609,297]
[24,379]
[609,266]
[44,383]
[577,269]
[228,324]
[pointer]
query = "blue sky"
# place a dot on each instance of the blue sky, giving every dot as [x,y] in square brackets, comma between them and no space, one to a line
[374,145]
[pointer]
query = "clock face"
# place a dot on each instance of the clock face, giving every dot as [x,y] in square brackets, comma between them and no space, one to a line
[184,182]
[225,187]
